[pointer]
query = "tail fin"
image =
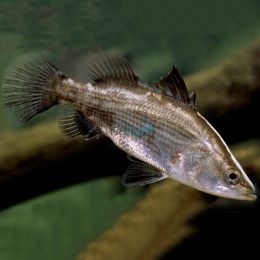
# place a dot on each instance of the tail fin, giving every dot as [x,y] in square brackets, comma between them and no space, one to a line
[30,86]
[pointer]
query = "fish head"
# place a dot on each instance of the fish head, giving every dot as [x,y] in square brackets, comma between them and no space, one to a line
[216,171]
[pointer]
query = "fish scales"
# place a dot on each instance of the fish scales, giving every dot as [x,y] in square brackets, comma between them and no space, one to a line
[170,136]
[135,112]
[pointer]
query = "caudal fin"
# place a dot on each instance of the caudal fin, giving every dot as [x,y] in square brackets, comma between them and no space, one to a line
[30,86]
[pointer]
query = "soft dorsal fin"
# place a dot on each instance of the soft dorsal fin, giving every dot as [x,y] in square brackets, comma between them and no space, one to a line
[173,85]
[73,123]
[103,68]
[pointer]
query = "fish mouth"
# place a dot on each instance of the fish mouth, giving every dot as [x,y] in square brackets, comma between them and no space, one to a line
[250,197]
[236,196]
[249,192]
[245,194]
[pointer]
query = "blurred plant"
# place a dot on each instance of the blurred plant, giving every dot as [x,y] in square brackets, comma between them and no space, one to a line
[52,25]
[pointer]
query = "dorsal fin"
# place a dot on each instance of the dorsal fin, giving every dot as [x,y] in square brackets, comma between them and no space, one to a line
[173,85]
[103,68]
[193,99]
[73,123]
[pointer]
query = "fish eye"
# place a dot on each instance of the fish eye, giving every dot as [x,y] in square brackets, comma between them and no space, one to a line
[232,177]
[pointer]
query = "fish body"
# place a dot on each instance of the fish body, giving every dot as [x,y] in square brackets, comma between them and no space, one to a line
[157,125]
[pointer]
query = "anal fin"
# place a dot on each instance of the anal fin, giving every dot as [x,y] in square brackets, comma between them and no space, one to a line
[74,123]
[140,173]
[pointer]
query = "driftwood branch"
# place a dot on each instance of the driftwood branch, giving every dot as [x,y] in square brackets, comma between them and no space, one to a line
[161,220]
[231,85]
[39,159]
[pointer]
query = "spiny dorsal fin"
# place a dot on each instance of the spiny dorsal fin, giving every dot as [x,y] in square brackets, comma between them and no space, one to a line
[193,100]
[173,85]
[73,123]
[103,68]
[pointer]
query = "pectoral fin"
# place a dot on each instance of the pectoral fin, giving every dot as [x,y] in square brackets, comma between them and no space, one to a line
[140,173]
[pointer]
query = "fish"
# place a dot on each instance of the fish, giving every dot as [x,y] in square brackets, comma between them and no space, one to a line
[157,125]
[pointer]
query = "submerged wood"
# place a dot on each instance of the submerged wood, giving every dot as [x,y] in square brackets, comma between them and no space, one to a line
[160,221]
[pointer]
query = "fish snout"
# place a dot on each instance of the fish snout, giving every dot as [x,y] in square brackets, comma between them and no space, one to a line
[248,189]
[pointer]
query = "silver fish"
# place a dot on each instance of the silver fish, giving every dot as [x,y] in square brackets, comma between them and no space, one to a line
[157,125]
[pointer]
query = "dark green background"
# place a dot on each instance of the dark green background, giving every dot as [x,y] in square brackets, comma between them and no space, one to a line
[153,35]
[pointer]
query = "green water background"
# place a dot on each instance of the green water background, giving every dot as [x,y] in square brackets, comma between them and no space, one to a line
[154,35]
